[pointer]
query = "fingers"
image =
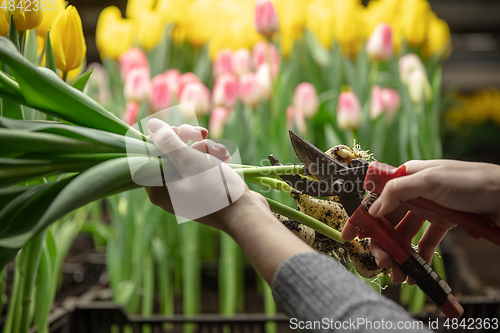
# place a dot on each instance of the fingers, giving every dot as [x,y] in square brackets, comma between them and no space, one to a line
[410,225]
[186,160]
[397,275]
[382,258]
[430,241]
[418,165]
[349,232]
[190,133]
[402,189]
[164,136]
[215,149]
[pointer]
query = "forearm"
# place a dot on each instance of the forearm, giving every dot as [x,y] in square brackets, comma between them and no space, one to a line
[314,288]
[265,241]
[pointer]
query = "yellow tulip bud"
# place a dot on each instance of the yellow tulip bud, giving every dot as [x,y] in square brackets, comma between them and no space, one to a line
[414,23]
[4,25]
[49,16]
[26,15]
[67,40]
[113,33]
[438,38]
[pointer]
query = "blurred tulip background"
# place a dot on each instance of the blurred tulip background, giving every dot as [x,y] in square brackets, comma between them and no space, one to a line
[337,72]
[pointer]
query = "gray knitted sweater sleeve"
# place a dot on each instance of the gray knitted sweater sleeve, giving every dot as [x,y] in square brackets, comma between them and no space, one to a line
[319,295]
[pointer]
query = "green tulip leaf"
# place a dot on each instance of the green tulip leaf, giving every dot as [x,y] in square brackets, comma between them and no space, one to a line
[82,80]
[45,91]
[21,142]
[31,48]
[11,109]
[13,171]
[50,61]
[123,144]
[12,34]
[318,52]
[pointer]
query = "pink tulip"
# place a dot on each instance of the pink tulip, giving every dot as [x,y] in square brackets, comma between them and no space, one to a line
[172,77]
[379,46]
[225,91]
[410,63]
[264,80]
[160,97]
[296,117]
[198,94]
[241,62]
[383,100]
[131,113]
[348,111]
[137,84]
[306,99]
[249,90]
[131,59]
[266,19]
[392,102]
[261,52]
[183,80]
[223,63]
[218,119]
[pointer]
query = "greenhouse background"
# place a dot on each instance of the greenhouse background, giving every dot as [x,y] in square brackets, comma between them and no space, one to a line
[410,79]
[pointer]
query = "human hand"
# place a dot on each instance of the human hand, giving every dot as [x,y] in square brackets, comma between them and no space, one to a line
[464,186]
[201,188]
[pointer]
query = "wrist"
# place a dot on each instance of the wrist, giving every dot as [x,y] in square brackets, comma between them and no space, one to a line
[245,210]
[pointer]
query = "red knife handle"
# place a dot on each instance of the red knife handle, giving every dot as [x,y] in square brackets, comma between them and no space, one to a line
[379,174]
[410,262]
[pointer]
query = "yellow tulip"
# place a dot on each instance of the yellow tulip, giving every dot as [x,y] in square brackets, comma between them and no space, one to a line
[49,16]
[136,7]
[292,20]
[231,26]
[349,26]
[4,25]
[113,33]
[68,41]
[415,21]
[26,15]
[320,18]
[150,27]
[438,38]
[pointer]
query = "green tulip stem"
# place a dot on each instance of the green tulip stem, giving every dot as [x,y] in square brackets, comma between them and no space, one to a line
[65,76]
[271,183]
[307,220]
[373,72]
[268,171]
